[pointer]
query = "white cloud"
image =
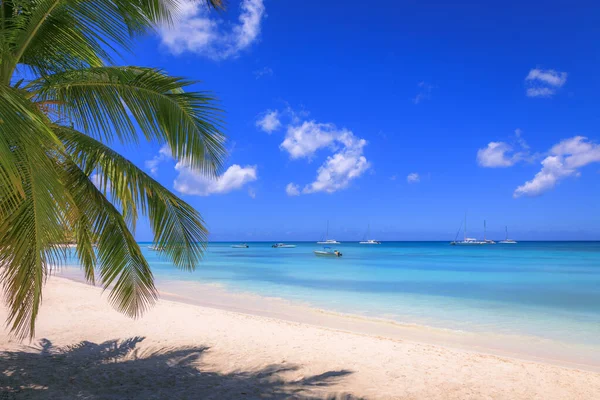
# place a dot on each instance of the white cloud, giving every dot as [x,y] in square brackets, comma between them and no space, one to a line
[547,76]
[338,170]
[424,92]
[566,157]
[194,183]
[302,141]
[304,138]
[544,82]
[195,31]
[252,193]
[496,155]
[540,92]
[413,178]
[163,154]
[292,189]
[502,154]
[264,71]
[269,122]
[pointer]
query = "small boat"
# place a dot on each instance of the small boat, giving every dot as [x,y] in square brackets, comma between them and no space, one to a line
[283,246]
[369,241]
[507,240]
[240,246]
[155,248]
[328,241]
[327,252]
[466,240]
[487,241]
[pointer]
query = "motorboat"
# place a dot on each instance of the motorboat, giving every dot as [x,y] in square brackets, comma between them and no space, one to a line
[240,246]
[327,252]
[283,246]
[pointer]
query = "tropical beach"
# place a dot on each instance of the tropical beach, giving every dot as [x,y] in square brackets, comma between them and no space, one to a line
[210,199]
[182,350]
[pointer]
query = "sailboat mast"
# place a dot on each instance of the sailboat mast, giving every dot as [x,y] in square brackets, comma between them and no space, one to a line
[327,233]
[506,229]
[465,232]
[484,231]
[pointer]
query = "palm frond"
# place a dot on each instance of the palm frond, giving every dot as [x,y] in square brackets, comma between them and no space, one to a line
[122,266]
[110,99]
[31,223]
[178,227]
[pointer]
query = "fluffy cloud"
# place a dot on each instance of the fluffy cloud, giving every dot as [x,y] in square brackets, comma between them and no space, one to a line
[544,82]
[163,154]
[302,141]
[566,157]
[502,154]
[338,170]
[292,189]
[194,183]
[304,138]
[195,31]
[496,154]
[413,178]
[269,122]
[548,76]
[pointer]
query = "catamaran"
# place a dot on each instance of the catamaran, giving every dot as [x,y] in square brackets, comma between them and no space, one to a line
[283,246]
[467,241]
[328,241]
[507,240]
[369,241]
[327,252]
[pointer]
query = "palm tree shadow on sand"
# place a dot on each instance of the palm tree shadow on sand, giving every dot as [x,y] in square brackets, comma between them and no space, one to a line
[119,370]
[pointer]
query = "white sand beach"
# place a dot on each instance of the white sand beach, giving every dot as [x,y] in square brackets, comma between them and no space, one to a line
[85,350]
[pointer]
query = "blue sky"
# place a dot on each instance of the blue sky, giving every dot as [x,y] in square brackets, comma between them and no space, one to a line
[331,106]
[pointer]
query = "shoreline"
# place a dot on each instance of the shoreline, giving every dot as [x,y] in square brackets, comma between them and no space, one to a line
[520,347]
[180,351]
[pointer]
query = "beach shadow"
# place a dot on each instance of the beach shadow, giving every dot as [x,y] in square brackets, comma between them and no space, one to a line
[118,370]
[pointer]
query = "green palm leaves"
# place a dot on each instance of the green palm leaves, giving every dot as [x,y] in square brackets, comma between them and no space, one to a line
[53,130]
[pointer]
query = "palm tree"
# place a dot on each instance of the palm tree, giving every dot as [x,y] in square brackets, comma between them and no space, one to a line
[62,102]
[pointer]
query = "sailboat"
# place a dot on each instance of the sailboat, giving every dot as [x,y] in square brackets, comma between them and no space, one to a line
[466,240]
[369,241]
[488,241]
[507,240]
[327,240]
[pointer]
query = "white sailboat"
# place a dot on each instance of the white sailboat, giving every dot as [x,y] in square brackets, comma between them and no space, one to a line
[467,241]
[327,240]
[369,241]
[507,240]
[488,241]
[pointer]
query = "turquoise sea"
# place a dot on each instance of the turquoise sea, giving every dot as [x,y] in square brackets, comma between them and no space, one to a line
[544,289]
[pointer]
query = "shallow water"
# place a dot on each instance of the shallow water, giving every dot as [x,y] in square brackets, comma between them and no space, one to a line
[545,289]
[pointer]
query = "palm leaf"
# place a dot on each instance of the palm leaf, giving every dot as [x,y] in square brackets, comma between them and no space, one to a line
[122,266]
[178,227]
[110,99]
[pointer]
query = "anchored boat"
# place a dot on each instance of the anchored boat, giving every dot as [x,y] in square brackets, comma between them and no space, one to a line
[327,252]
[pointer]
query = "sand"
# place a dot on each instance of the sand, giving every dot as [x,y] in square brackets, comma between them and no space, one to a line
[86,350]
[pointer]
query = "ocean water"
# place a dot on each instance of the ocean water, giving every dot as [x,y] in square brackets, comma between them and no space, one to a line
[545,289]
